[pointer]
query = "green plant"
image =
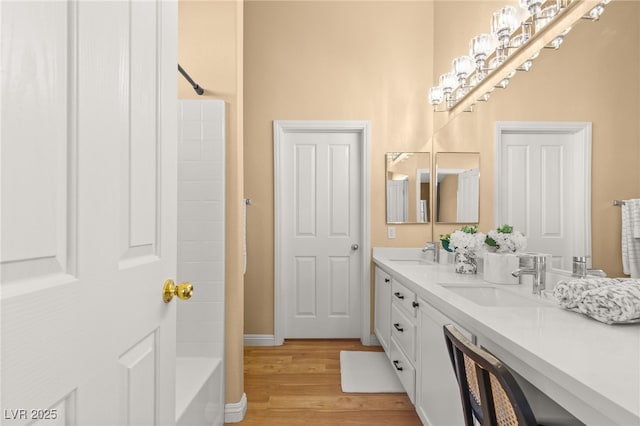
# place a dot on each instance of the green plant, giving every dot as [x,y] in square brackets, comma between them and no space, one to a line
[445,239]
[469,229]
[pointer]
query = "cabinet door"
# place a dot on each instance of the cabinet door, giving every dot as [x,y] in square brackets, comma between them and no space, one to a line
[437,396]
[382,312]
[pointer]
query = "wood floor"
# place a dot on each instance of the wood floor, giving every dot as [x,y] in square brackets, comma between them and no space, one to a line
[299,384]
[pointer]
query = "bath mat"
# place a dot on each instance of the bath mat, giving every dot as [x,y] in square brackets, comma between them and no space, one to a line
[367,372]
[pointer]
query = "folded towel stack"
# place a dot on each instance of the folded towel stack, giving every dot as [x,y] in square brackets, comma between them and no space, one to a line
[608,300]
[615,303]
[567,292]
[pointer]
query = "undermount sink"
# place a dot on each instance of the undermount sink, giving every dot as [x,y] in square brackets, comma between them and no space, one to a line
[494,296]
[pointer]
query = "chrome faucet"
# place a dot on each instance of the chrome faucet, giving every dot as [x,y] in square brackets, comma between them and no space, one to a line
[580,269]
[435,248]
[534,265]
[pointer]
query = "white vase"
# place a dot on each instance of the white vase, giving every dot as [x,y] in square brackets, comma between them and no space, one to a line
[499,266]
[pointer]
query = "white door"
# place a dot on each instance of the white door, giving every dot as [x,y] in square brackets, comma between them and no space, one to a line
[398,201]
[543,186]
[468,196]
[320,233]
[88,168]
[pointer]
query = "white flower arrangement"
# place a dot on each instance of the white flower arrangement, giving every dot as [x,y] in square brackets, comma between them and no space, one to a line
[505,240]
[467,240]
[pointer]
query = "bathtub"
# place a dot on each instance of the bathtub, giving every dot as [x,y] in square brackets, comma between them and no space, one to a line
[199,392]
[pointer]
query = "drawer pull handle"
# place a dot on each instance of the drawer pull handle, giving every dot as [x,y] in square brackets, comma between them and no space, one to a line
[398,295]
[395,364]
[415,304]
[386,280]
[397,326]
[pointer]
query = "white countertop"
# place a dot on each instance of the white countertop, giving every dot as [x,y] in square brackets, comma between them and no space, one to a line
[590,368]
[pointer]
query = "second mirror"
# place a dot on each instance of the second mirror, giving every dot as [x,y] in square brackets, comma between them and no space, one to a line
[408,182]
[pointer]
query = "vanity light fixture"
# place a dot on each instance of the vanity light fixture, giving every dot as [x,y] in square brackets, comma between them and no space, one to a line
[462,67]
[519,32]
[503,23]
[480,47]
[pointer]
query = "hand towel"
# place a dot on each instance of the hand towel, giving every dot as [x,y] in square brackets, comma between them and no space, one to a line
[634,208]
[614,303]
[568,292]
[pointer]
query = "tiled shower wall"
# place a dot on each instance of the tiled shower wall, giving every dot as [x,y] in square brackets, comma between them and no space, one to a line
[200,321]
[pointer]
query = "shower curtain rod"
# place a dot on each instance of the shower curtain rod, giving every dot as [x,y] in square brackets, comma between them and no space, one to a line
[195,85]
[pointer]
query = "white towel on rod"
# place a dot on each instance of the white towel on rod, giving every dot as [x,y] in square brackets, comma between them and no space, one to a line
[635,217]
[631,237]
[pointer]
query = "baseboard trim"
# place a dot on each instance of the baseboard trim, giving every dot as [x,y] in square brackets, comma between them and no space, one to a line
[235,412]
[270,340]
[372,341]
[259,340]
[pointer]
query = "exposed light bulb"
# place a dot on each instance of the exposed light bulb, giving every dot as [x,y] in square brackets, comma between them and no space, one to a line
[526,66]
[596,12]
[556,42]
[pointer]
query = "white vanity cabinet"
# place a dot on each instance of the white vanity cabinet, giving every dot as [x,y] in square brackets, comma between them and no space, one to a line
[437,395]
[403,335]
[550,351]
[382,309]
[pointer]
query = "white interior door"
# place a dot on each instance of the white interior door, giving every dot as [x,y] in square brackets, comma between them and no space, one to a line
[320,227]
[468,196]
[543,186]
[88,166]
[398,200]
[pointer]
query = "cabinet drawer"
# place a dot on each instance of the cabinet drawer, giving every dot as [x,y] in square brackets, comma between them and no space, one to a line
[404,369]
[404,331]
[403,297]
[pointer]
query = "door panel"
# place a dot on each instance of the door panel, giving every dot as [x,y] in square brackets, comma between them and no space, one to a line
[37,238]
[88,211]
[305,196]
[137,382]
[305,291]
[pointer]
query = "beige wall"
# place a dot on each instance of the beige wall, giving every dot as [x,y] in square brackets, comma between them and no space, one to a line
[592,77]
[447,203]
[210,50]
[330,60]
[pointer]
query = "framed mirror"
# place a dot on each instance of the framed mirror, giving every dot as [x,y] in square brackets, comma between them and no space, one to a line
[457,187]
[408,176]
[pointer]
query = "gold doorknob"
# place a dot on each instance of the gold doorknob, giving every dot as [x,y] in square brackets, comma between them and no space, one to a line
[184,291]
